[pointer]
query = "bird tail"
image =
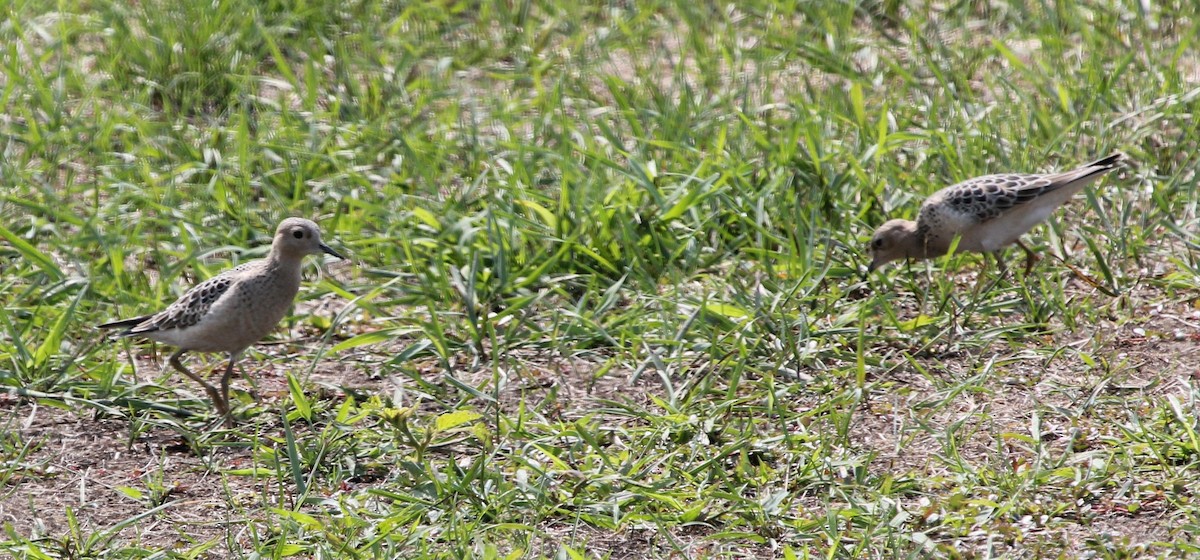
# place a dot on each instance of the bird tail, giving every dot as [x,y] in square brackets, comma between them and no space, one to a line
[126,324]
[1107,162]
[1086,173]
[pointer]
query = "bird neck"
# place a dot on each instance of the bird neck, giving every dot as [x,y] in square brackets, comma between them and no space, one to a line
[918,244]
[288,265]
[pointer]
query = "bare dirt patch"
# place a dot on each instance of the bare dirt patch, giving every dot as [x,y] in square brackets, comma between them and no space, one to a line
[78,465]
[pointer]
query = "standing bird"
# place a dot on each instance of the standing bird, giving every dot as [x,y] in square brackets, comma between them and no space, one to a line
[985,214]
[232,310]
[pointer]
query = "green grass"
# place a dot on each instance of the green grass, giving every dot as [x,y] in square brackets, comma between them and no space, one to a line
[607,297]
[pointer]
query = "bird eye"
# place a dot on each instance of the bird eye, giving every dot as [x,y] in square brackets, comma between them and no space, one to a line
[298,234]
[877,243]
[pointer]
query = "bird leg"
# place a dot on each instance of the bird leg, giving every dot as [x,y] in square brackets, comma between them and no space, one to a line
[1030,257]
[1003,268]
[233,356]
[221,404]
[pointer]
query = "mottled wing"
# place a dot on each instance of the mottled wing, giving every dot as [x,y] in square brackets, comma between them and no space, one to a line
[985,198]
[191,307]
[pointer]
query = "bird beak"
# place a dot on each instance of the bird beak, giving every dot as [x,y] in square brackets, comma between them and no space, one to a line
[330,250]
[871,267]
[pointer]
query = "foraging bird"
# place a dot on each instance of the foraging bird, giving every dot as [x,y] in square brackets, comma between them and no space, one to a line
[232,310]
[985,214]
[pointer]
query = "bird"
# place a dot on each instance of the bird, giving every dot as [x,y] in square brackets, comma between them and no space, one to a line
[234,309]
[985,214]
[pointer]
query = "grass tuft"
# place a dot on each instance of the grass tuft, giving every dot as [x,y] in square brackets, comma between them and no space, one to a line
[608,294]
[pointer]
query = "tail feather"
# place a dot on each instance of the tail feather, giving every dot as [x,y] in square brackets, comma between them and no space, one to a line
[126,324]
[1087,173]
[1107,162]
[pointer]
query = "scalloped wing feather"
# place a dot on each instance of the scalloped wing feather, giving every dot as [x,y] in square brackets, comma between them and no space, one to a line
[989,197]
[191,307]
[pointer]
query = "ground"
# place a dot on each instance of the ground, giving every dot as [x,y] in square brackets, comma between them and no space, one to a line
[607,294]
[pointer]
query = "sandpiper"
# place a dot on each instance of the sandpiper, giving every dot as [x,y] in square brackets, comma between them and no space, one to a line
[232,310]
[986,214]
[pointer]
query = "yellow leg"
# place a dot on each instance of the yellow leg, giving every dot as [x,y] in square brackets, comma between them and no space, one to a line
[1003,268]
[225,387]
[218,401]
[1030,257]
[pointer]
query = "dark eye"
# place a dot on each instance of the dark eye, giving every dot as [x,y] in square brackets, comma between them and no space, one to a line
[877,243]
[298,234]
